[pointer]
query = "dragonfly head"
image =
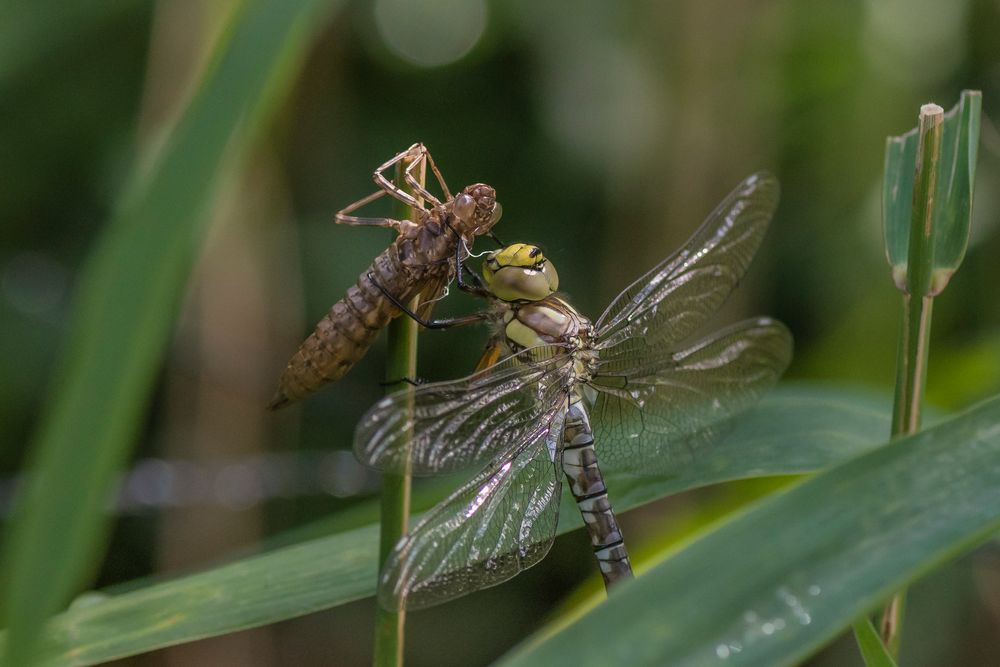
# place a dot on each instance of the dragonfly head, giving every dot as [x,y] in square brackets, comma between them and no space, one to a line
[520,272]
[476,209]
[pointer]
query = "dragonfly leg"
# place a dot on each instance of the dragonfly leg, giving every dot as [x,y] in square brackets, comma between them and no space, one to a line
[418,154]
[429,324]
[437,175]
[415,183]
[343,216]
[413,382]
[477,288]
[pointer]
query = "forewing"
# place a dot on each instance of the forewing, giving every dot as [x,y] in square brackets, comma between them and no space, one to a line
[447,426]
[681,292]
[500,523]
[656,409]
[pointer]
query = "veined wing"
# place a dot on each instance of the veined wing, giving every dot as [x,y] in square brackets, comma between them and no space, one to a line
[500,523]
[448,426]
[656,408]
[681,292]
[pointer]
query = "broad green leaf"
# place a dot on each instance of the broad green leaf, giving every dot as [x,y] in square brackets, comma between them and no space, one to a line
[283,584]
[686,522]
[952,196]
[794,430]
[775,584]
[125,307]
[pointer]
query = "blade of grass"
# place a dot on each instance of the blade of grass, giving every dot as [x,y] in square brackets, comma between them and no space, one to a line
[125,305]
[834,549]
[684,525]
[794,430]
[872,649]
[401,363]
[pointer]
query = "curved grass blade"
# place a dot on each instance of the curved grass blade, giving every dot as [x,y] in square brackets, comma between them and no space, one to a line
[775,584]
[870,644]
[818,427]
[125,306]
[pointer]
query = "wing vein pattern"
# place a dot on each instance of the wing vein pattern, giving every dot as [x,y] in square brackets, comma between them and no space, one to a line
[682,291]
[498,524]
[449,426]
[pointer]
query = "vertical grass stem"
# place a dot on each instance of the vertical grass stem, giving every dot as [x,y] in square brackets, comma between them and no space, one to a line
[401,362]
[911,360]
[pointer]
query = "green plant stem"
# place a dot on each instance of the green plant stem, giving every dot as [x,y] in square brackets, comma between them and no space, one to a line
[874,652]
[401,362]
[915,333]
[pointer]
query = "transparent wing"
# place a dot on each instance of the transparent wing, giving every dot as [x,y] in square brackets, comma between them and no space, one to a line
[500,523]
[681,292]
[655,409]
[448,426]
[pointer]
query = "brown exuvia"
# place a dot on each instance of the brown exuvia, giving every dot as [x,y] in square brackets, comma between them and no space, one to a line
[421,261]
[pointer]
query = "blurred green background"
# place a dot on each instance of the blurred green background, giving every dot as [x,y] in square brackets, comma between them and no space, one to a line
[609,131]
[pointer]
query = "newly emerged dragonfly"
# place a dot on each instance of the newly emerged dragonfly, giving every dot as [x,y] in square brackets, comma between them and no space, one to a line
[421,261]
[571,393]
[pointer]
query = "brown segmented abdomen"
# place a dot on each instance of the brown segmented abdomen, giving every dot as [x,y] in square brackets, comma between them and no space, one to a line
[347,331]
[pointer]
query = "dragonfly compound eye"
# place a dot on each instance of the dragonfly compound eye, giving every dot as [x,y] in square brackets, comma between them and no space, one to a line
[464,207]
[520,272]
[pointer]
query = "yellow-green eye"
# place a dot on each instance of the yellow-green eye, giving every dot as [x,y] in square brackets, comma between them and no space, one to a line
[520,272]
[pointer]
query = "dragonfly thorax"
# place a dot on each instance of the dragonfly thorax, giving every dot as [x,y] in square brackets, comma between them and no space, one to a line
[550,321]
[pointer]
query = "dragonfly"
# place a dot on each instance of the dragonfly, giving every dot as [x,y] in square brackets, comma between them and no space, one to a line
[571,399]
[423,259]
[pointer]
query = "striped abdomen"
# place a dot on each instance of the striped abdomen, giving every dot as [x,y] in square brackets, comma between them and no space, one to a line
[347,331]
[579,462]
